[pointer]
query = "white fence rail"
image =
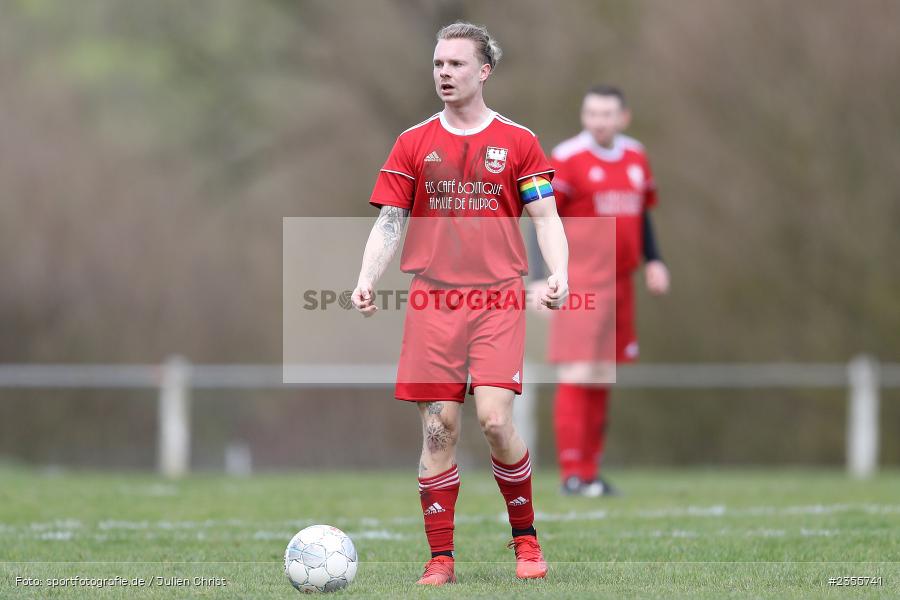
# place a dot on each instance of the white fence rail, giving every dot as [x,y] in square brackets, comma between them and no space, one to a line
[863,378]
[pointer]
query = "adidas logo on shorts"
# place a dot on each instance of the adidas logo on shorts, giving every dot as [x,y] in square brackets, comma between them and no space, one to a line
[516,378]
[433,157]
[518,501]
[434,509]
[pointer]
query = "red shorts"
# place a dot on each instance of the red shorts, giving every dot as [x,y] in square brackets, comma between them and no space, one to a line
[594,332]
[453,332]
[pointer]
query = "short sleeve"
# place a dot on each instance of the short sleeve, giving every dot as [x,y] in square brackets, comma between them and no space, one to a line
[533,161]
[396,182]
[562,182]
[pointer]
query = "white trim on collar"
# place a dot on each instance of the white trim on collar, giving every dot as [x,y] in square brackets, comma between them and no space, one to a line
[608,154]
[474,130]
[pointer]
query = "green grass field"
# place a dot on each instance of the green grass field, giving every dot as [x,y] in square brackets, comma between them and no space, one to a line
[692,534]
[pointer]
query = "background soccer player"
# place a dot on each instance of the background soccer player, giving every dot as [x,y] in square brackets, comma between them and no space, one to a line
[599,173]
[465,175]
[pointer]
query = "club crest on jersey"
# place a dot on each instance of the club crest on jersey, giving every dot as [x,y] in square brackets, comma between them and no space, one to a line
[636,175]
[495,159]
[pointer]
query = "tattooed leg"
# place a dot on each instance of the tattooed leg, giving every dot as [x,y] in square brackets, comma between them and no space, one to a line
[440,432]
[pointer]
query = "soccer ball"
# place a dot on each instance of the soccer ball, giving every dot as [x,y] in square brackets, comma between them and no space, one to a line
[320,558]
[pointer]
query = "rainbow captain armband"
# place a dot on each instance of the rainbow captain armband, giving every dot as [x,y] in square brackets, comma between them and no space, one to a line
[534,188]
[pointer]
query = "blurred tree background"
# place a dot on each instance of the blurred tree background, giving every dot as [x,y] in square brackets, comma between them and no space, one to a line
[149,150]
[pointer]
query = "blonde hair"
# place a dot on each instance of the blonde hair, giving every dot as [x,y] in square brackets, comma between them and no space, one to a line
[484,44]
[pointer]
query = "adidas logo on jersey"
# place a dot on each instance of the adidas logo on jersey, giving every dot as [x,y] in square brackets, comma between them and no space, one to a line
[434,509]
[518,501]
[516,378]
[433,157]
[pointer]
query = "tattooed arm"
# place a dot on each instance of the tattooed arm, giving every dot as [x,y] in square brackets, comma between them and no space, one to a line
[380,249]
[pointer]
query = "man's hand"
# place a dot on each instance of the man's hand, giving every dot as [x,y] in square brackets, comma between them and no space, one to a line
[535,291]
[656,274]
[363,299]
[556,292]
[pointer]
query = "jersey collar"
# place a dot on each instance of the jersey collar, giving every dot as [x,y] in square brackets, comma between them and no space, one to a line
[608,154]
[472,131]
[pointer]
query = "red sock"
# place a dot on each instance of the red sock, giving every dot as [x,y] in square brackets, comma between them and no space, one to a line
[438,495]
[515,485]
[596,406]
[569,424]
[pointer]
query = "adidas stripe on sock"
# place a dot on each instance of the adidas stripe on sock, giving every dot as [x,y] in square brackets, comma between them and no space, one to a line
[514,482]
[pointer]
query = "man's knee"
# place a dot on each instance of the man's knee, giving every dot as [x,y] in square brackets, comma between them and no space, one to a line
[586,373]
[439,426]
[496,425]
[440,436]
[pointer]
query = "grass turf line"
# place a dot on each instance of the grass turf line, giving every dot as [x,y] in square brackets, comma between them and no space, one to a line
[690,533]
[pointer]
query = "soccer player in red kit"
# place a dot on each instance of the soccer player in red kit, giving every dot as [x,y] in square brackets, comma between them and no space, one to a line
[599,173]
[465,175]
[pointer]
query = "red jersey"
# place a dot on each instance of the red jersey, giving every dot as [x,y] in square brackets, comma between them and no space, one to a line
[593,181]
[468,178]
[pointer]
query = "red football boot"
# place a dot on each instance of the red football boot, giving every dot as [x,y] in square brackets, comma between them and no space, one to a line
[530,563]
[438,571]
